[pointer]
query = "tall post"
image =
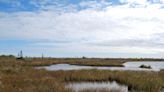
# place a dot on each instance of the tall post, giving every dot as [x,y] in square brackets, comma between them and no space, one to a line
[21,54]
[42,56]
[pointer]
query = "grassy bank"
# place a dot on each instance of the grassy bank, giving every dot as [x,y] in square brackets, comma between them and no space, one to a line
[141,81]
[20,76]
[73,61]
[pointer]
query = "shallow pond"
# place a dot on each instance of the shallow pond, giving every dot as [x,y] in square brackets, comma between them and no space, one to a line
[128,66]
[97,87]
[154,65]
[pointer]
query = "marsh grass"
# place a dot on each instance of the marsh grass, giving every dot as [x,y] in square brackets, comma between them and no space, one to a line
[141,81]
[20,76]
[73,61]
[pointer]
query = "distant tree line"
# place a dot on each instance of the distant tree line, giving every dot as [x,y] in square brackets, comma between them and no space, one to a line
[12,56]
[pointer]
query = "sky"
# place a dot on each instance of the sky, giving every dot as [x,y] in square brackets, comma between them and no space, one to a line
[76,28]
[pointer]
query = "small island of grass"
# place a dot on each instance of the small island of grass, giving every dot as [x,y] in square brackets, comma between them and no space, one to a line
[146,66]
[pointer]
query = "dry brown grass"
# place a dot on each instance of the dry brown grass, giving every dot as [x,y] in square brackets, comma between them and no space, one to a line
[74,61]
[20,76]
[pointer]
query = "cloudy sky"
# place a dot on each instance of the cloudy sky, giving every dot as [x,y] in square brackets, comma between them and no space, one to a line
[75,28]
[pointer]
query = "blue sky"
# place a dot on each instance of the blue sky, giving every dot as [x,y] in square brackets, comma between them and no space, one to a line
[76,28]
[36,5]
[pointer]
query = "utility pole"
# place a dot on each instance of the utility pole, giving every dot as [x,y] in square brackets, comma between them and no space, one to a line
[21,54]
[42,56]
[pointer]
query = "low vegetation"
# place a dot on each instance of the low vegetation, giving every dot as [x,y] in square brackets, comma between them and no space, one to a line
[145,66]
[20,76]
[73,61]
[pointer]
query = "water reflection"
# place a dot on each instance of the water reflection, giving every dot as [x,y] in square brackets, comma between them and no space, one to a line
[76,67]
[154,65]
[97,87]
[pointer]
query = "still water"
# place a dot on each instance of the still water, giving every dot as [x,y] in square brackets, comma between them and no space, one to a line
[133,66]
[97,87]
[154,65]
[104,86]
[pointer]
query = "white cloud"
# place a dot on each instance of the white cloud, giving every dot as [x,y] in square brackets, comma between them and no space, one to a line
[115,29]
[96,5]
[143,3]
[134,1]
